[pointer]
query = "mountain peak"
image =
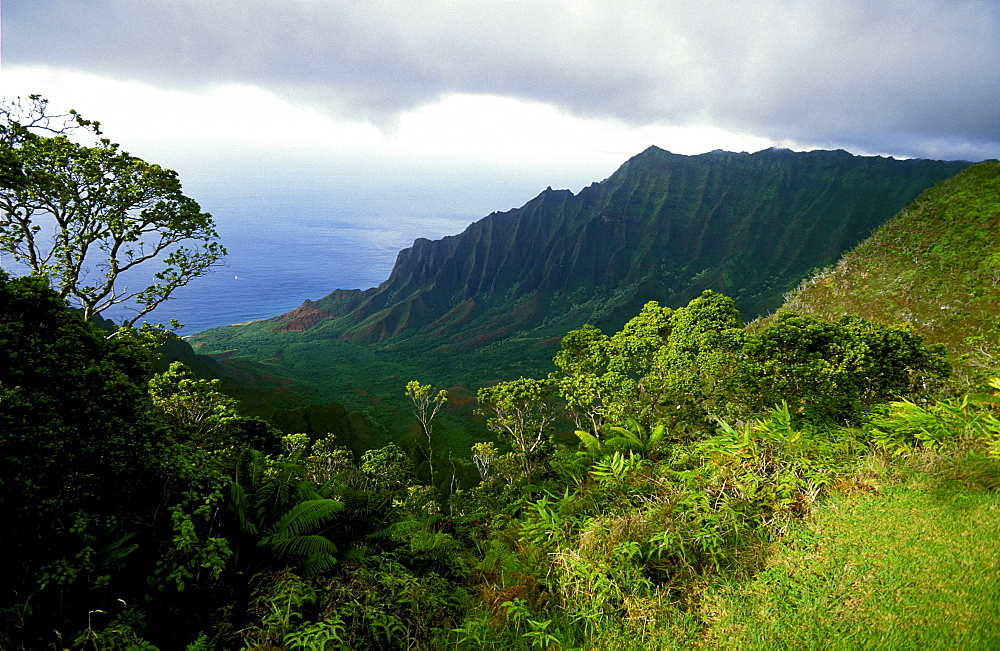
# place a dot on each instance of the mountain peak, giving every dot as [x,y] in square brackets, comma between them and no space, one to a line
[663,227]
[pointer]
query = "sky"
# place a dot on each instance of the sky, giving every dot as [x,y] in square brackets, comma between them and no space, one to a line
[562,87]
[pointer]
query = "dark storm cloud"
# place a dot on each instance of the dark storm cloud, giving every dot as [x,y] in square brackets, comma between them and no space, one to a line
[910,78]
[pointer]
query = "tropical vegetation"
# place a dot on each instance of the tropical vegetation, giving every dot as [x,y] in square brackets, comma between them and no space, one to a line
[695,467]
[682,480]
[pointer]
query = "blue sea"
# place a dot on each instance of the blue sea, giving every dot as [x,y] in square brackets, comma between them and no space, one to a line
[296,229]
[286,247]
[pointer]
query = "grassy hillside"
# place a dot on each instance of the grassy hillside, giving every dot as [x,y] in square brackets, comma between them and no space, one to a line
[934,266]
[910,565]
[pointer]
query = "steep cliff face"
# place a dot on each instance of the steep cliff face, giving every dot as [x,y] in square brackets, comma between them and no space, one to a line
[663,227]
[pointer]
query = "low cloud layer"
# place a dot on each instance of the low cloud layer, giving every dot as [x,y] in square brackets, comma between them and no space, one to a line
[920,78]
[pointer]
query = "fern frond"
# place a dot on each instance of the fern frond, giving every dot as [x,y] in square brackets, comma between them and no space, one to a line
[240,507]
[317,564]
[399,531]
[305,516]
[306,491]
[117,549]
[627,434]
[655,437]
[591,442]
[625,444]
[357,554]
[299,546]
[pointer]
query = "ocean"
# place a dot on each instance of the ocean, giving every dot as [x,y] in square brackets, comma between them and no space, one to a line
[286,247]
[298,231]
[297,228]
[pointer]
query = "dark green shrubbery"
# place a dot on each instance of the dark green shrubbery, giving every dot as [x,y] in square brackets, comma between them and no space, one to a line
[144,509]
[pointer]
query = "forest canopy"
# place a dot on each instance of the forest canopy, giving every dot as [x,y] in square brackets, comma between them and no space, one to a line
[239,536]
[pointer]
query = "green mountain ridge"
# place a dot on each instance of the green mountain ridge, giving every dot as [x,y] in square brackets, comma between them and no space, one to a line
[493,301]
[689,481]
[663,226]
[935,266]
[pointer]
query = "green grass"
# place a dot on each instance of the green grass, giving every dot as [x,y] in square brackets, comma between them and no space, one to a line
[915,567]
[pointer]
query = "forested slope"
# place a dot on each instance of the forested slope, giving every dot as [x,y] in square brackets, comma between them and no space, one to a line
[663,227]
[700,501]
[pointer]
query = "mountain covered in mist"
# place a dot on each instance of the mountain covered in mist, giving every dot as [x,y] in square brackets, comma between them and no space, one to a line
[494,299]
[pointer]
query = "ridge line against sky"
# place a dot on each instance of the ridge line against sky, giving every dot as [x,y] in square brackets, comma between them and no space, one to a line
[511,79]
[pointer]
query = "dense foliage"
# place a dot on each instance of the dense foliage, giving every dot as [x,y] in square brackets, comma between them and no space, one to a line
[682,368]
[76,430]
[635,497]
[699,441]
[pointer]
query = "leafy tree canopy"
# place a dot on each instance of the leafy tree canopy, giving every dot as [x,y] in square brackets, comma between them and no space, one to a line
[74,416]
[521,413]
[85,216]
[683,368]
[834,370]
[76,431]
